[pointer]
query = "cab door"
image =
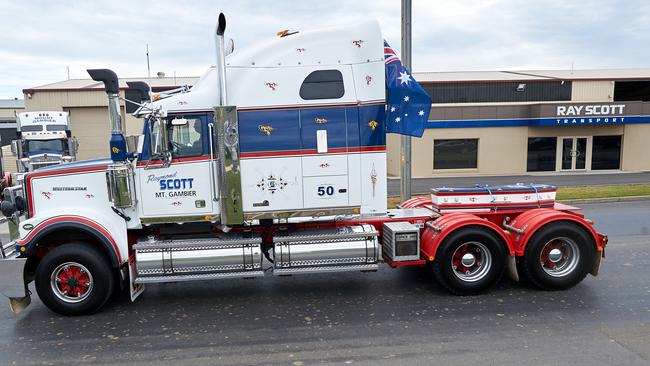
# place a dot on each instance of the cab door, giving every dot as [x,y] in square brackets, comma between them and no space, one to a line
[184,190]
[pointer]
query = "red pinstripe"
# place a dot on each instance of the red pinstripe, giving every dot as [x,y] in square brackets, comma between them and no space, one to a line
[79,219]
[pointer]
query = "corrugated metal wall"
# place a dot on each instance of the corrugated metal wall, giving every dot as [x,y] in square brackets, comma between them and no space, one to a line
[495,92]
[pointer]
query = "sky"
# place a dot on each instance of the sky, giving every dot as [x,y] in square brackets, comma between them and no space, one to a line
[41,40]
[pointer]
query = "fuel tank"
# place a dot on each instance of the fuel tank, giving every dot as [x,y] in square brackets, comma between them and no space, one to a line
[326,250]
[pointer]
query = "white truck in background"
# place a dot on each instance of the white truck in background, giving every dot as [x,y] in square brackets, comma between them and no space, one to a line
[44,139]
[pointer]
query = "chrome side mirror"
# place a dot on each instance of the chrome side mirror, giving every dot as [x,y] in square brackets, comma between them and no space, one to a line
[132,143]
[158,140]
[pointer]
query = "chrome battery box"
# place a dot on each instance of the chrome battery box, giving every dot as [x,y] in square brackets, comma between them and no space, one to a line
[401,241]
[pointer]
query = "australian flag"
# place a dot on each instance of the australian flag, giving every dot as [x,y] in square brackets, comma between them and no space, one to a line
[408,105]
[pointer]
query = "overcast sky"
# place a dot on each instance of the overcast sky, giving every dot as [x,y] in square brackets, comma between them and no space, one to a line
[39,39]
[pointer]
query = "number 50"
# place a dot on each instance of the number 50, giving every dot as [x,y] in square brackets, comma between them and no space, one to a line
[325,191]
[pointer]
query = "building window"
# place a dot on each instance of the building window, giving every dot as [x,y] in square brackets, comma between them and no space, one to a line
[630,91]
[322,84]
[541,154]
[606,152]
[455,154]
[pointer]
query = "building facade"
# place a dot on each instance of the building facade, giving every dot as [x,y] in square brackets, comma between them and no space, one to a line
[8,110]
[503,123]
[480,123]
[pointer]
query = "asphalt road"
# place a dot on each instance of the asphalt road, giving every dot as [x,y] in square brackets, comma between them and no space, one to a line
[384,318]
[424,185]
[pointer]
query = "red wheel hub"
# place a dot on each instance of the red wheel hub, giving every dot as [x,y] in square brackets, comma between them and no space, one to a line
[458,258]
[546,258]
[73,281]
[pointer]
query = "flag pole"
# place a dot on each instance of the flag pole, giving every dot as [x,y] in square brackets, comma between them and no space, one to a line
[405,146]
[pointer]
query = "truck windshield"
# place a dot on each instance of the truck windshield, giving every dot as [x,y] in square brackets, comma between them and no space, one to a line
[40,145]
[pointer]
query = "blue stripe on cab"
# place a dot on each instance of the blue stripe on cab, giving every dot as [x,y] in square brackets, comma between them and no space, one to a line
[330,119]
[371,125]
[273,130]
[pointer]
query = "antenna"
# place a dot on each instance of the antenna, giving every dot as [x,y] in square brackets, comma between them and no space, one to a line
[148,67]
[68,68]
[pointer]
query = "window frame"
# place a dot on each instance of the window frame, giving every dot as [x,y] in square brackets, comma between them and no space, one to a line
[322,88]
[465,168]
[554,148]
[170,134]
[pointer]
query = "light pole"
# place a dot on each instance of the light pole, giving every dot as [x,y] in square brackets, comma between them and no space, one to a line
[405,146]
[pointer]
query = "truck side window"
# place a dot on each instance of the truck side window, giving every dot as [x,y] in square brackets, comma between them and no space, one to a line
[322,84]
[186,140]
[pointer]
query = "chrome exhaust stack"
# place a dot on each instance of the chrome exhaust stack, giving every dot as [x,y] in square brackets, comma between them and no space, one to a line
[220,66]
[119,175]
[225,131]
[112,86]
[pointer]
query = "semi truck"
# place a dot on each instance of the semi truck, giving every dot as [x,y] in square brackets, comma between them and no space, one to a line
[273,163]
[44,139]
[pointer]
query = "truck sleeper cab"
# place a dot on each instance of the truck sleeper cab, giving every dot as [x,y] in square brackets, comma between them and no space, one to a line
[273,163]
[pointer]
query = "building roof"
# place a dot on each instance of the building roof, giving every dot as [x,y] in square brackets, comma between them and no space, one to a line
[533,75]
[89,84]
[423,77]
[12,103]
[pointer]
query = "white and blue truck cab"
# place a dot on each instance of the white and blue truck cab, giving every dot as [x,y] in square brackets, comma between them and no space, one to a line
[274,162]
[44,139]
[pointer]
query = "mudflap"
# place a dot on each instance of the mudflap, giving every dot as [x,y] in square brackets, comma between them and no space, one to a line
[18,304]
[596,268]
[511,263]
[135,289]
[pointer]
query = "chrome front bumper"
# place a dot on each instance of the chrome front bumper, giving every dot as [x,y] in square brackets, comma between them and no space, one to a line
[12,278]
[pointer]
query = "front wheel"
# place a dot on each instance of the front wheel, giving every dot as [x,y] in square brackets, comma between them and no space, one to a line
[469,260]
[558,256]
[74,279]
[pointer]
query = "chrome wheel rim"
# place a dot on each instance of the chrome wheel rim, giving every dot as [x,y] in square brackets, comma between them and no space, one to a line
[559,256]
[471,261]
[71,282]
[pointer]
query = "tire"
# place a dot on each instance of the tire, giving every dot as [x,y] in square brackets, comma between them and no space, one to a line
[462,277]
[558,256]
[74,279]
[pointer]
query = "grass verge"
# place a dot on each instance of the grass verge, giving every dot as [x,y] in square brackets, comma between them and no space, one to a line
[583,192]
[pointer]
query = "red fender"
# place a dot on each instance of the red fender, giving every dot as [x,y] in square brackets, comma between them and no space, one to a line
[432,238]
[533,220]
[416,202]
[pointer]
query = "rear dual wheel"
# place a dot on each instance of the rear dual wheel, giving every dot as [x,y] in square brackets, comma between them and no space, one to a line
[558,256]
[470,260]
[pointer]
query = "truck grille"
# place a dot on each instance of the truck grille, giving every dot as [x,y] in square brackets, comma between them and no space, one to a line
[46,159]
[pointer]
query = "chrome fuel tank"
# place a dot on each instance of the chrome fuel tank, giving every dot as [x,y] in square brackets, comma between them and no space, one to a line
[332,247]
[204,255]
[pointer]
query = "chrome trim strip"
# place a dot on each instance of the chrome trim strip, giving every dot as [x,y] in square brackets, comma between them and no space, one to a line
[313,213]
